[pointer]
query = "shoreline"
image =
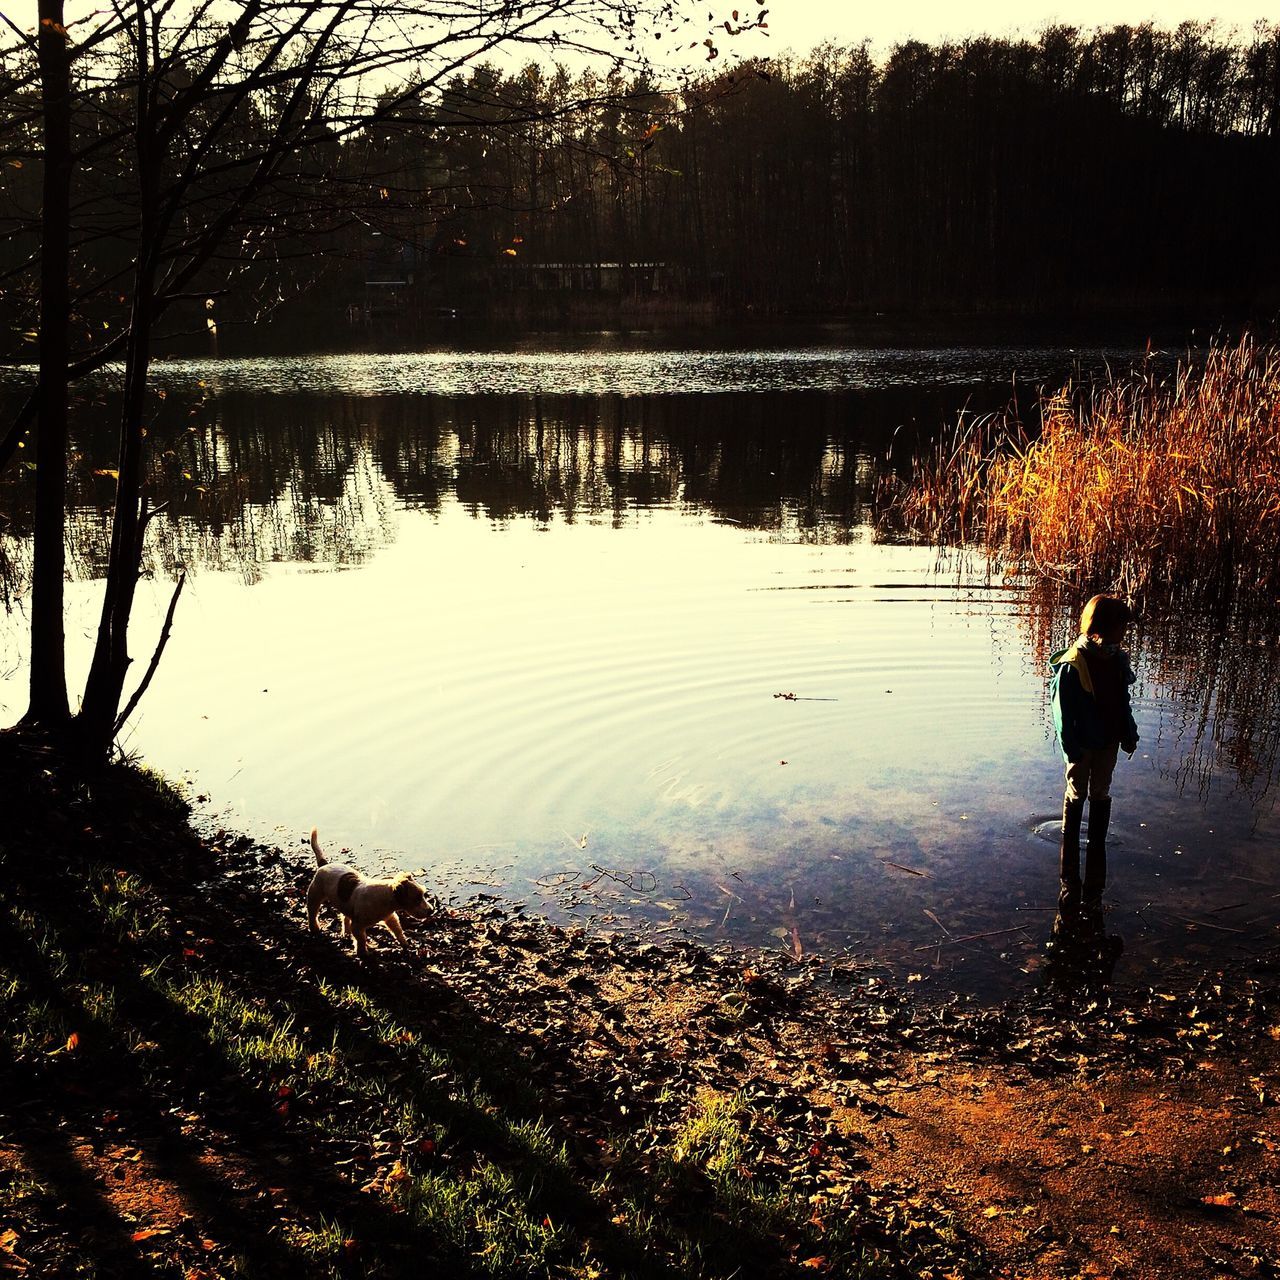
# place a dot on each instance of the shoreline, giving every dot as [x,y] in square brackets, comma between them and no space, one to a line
[518,1098]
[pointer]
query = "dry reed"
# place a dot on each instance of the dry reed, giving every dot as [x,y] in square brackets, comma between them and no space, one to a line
[1146,484]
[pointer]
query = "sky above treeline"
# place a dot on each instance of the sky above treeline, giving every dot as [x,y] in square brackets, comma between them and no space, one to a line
[799,25]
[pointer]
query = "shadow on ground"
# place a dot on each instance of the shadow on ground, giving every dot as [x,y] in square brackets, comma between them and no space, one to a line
[195,1086]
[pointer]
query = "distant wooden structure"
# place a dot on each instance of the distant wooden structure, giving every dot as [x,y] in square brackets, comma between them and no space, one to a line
[588,277]
[389,271]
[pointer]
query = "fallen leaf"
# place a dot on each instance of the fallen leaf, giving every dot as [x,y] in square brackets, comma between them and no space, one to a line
[1227,1200]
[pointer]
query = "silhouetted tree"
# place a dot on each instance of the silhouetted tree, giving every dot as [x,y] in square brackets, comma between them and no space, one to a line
[203,146]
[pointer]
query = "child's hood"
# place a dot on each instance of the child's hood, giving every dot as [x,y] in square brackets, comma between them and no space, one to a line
[1073,656]
[1068,656]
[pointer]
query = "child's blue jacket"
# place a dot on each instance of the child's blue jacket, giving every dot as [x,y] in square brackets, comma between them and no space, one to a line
[1076,720]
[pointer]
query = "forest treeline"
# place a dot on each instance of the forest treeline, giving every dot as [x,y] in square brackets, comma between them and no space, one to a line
[1129,168]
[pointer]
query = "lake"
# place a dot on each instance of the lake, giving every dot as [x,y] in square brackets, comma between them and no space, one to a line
[600,623]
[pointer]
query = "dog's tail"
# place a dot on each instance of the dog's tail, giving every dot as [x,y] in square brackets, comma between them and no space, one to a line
[316,849]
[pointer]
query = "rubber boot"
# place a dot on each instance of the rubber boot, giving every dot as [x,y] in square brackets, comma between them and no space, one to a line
[1095,854]
[1069,857]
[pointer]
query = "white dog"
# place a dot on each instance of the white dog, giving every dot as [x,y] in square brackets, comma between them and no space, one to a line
[362,903]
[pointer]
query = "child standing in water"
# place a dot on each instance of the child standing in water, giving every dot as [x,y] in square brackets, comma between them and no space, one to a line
[1094,722]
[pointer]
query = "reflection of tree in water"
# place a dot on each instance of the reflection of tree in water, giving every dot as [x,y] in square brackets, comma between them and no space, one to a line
[1218,663]
[575,457]
[250,479]
[15,569]
[240,486]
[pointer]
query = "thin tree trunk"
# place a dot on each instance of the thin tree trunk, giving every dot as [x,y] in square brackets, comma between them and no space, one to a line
[105,686]
[109,668]
[48,689]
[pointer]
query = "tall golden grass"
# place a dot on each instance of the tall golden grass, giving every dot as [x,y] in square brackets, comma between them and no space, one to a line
[1142,484]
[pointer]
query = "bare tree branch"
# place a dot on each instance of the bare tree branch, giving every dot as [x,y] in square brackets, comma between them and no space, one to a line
[154,664]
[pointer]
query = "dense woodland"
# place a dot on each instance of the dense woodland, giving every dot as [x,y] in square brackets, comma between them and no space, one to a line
[1129,168]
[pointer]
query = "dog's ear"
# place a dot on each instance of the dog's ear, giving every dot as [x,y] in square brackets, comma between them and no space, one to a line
[404,893]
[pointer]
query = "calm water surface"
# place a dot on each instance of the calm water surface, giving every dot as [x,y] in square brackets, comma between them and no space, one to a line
[524,620]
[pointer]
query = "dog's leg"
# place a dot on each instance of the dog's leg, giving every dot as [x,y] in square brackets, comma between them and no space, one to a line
[393,923]
[314,903]
[362,943]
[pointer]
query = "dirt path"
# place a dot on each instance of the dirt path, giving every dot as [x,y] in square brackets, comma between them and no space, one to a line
[1123,1176]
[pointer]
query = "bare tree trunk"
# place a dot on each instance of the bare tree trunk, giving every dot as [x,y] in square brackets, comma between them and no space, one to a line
[48,689]
[105,686]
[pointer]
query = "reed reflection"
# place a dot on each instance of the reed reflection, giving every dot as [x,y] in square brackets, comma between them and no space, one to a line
[15,567]
[1212,666]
